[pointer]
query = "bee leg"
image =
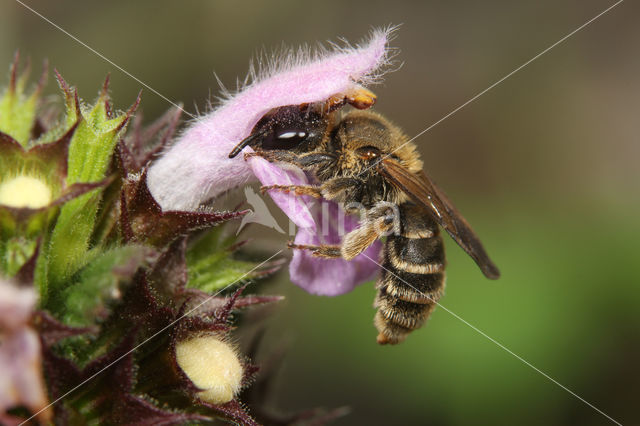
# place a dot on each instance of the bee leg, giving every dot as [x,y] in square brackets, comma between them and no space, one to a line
[312,191]
[274,156]
[342,190]
[358,240]
[358,97]
[378,222]
[386,216]
[326,251]
[301,160]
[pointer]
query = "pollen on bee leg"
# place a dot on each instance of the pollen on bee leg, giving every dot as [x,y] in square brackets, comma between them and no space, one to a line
[25,191]
[212,365]
[357,96]
[361,98]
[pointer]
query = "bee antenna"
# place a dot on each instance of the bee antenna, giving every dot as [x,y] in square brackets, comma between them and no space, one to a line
[245,142]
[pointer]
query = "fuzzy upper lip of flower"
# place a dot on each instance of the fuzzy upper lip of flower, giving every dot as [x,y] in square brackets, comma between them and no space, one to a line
[197,167]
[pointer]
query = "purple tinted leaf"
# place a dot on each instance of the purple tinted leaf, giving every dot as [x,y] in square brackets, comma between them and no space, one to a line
[52,331]
[246,301]
[143,220]
[135,410]
[234,411]
[142,144]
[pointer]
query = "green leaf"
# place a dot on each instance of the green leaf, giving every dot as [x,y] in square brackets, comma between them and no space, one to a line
[99,283]
[70,238]
[90,153]
[210,265]
[18,111]
[214,274]
[211,241]
[93,143]
[15,253]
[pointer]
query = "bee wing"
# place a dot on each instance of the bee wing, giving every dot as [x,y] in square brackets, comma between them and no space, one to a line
[420,188]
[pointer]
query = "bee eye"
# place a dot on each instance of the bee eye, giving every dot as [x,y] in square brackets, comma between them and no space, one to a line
[284,139]
[368,152]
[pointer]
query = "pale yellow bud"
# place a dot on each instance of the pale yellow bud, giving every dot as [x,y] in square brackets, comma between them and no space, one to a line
[212,365]
[25,191]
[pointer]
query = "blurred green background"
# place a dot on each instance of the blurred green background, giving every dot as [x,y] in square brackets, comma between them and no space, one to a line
[545,166]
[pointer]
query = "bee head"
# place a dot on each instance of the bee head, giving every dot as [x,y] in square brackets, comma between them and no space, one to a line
[364,138]
[299,128]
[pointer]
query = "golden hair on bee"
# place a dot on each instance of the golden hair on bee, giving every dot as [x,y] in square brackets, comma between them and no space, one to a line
[361,158]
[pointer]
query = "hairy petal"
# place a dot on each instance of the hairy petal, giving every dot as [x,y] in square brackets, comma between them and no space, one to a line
[16,305]
[21,380]
[296,208]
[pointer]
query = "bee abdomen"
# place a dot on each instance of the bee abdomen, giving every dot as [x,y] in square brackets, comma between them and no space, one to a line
[409,286]
[405,314]
[424,291]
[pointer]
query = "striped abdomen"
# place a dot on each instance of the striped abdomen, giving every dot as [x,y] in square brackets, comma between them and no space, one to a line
[412,279]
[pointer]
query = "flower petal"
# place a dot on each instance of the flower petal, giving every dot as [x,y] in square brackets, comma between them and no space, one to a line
[21,366]
[197,167]
[16,305]
[295,207]
[331,277]
[21,381]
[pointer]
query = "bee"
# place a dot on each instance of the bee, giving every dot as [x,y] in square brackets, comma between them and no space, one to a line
[361,158]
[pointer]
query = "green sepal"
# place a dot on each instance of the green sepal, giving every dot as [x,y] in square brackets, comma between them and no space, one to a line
[215,273]
[98,284]
[71,236]
[90,153]
[15,253]
[18,109]
[93,143]
[211,267]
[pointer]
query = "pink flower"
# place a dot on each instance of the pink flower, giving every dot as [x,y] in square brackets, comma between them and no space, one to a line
[21,379]
[330,277]
[197,167]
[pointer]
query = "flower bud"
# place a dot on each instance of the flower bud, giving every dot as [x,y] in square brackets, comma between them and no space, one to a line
[212,365]
[25,191]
